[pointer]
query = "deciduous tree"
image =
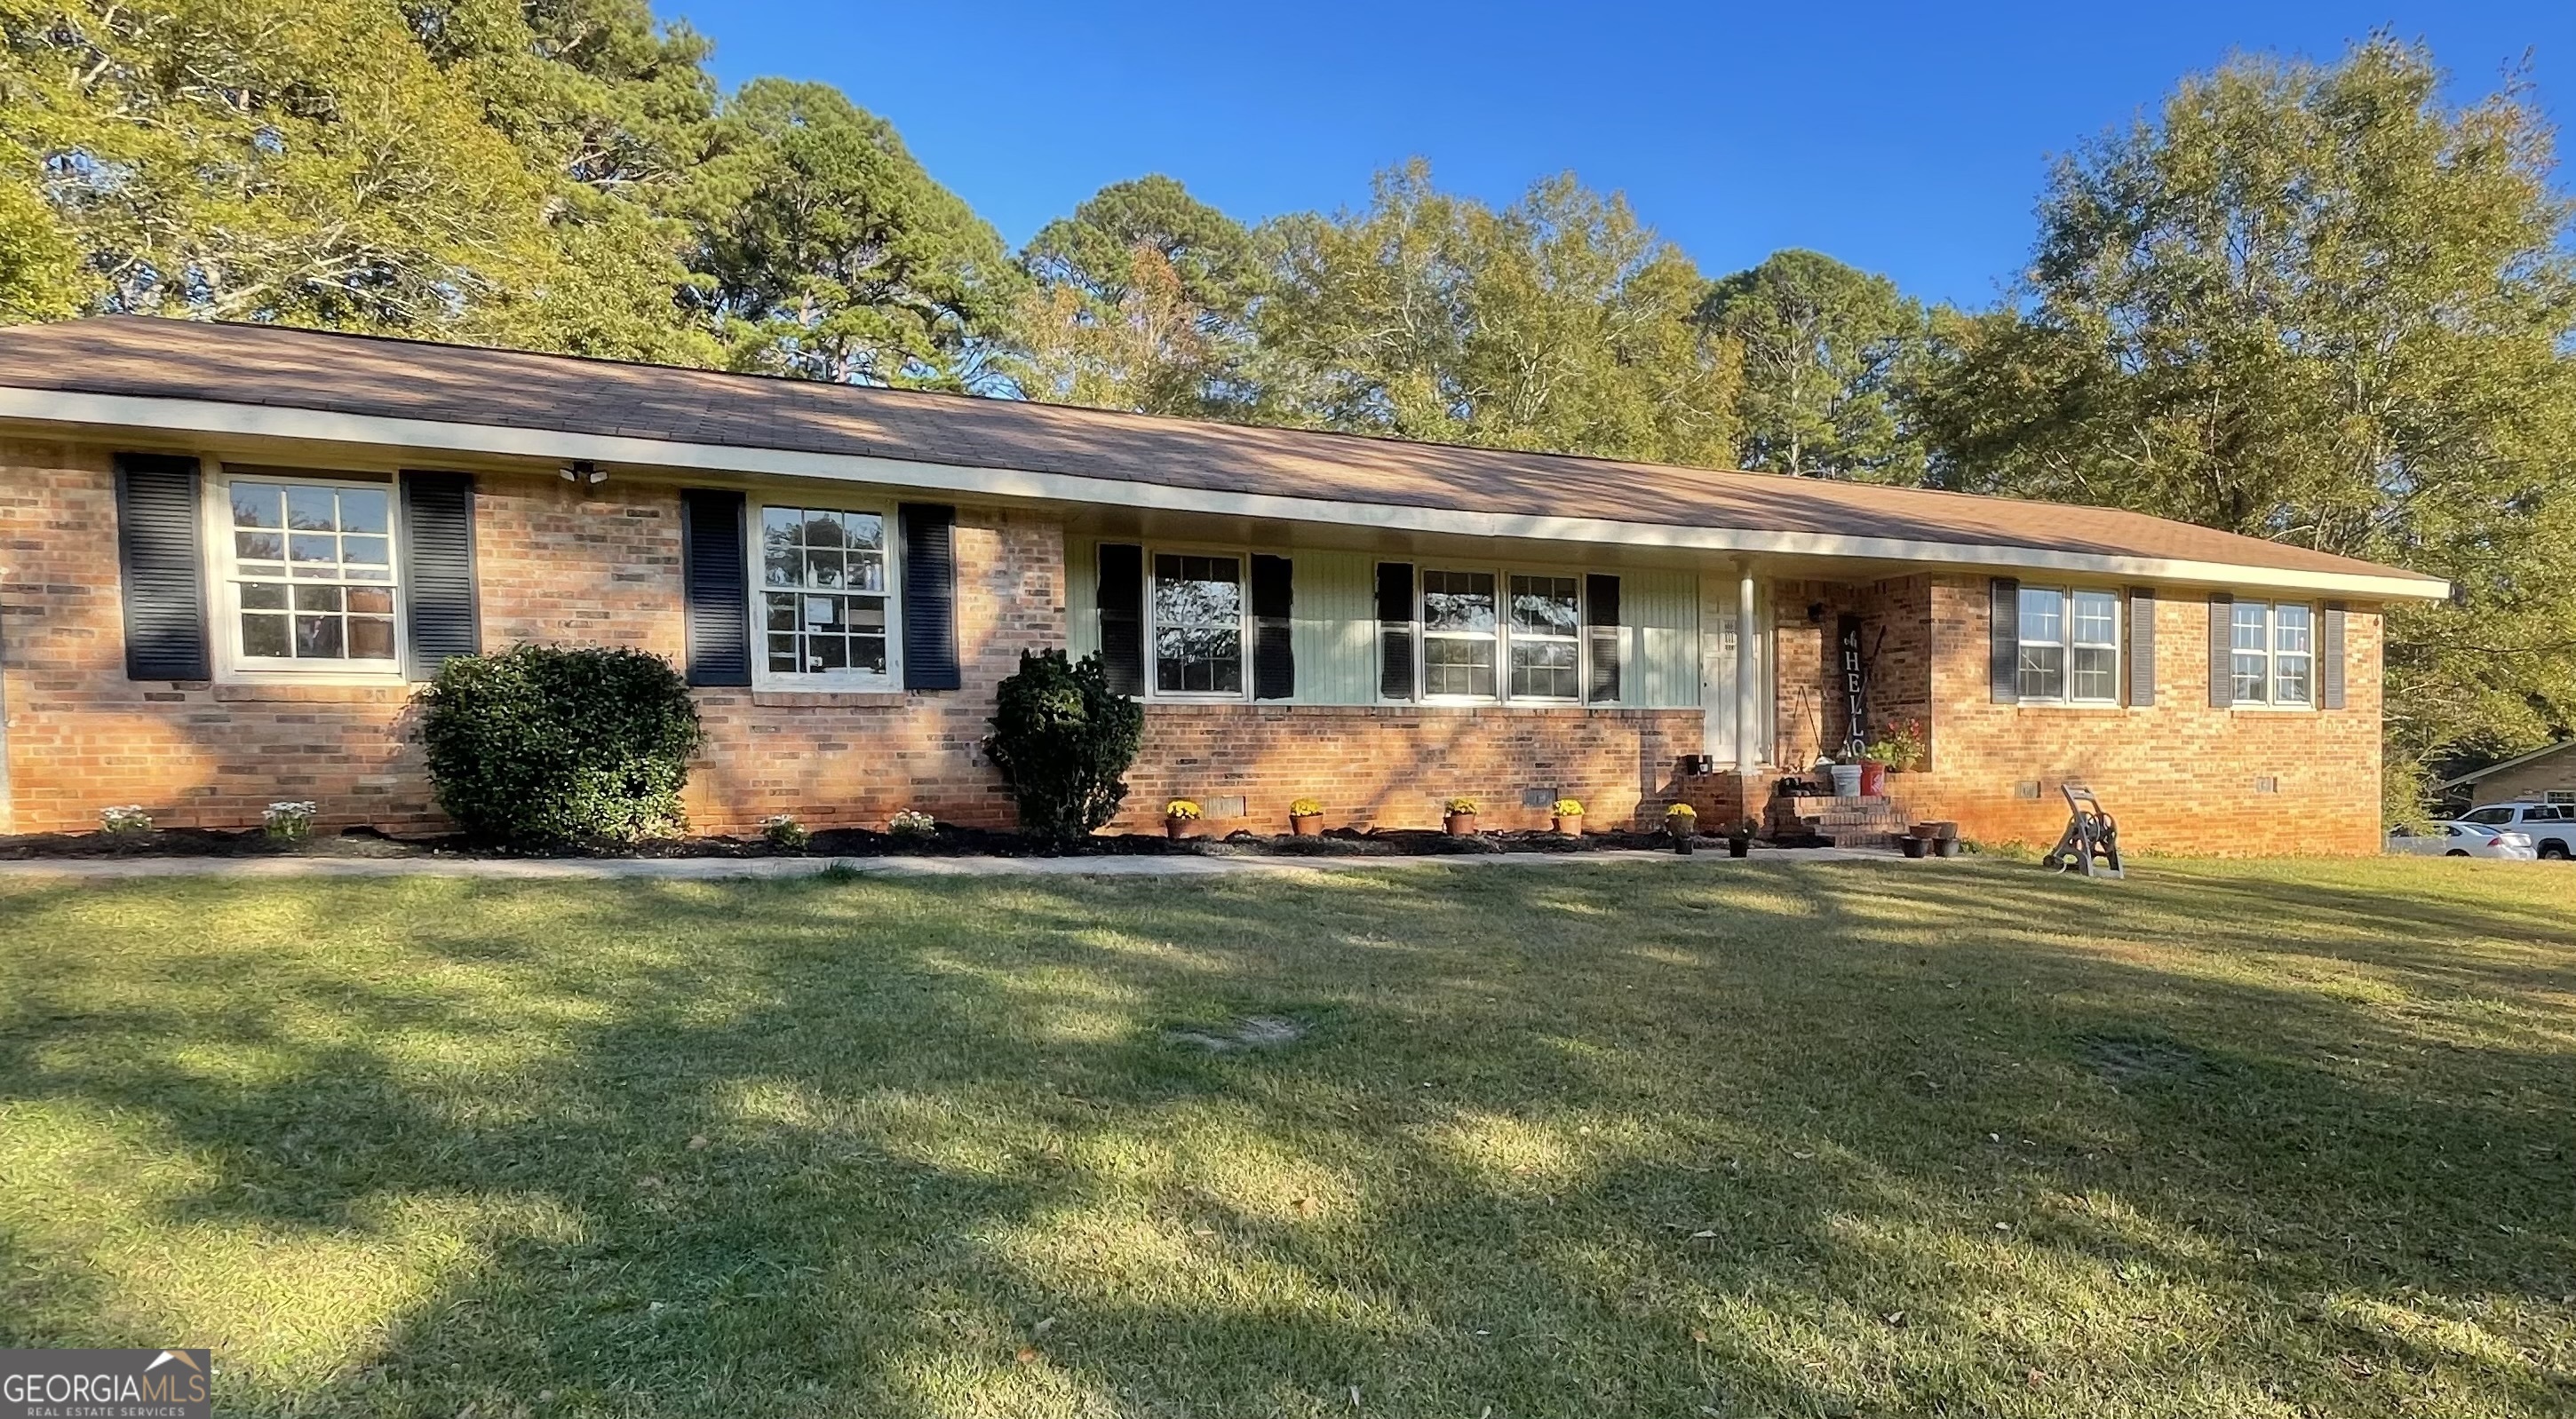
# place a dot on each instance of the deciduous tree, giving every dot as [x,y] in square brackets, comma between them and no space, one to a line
[1142,299]
[1559,323]
[2315,304]
[1825,350]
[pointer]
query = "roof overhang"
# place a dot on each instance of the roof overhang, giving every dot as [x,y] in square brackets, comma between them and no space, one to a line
[2477,775]
[264,421]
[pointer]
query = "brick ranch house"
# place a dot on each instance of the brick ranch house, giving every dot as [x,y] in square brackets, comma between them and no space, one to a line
[228,553]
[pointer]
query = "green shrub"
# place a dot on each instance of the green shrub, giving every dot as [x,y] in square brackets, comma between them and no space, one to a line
[543,745]
[1064,740]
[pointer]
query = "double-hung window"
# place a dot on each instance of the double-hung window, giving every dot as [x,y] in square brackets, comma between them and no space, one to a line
[309,573]
[1461,640]
[1198,610]
[824,598]
[2272,653]
[1546,654]
[1502,636]
[2070,646]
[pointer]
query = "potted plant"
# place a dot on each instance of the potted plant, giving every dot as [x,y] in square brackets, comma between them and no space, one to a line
[1460,817]
[1180,818]
[1681,823]
[1897,749]
[1306,817]
[1740,841]
[1569,817]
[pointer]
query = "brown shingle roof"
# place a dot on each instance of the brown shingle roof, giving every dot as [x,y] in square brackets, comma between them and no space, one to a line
[271,365]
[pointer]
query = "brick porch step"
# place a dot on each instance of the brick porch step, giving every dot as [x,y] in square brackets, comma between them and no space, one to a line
[1850,822]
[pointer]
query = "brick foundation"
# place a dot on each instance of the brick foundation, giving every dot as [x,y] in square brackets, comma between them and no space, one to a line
[1393,768]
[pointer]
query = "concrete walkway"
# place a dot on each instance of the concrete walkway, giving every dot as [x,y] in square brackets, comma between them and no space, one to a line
[721,868]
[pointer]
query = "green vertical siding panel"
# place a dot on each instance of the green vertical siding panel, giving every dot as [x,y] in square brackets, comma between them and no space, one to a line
[1333,628]
[1081,598]
[1661,612]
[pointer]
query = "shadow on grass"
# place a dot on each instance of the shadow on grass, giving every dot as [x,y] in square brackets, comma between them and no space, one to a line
[1836,1139]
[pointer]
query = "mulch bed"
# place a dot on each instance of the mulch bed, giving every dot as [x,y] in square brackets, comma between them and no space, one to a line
[948,841]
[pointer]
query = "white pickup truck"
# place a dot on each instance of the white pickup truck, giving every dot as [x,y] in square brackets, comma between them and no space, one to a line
[2550,826]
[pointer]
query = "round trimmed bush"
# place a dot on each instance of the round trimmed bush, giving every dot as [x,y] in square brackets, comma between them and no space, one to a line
[545,745]
[1064,740]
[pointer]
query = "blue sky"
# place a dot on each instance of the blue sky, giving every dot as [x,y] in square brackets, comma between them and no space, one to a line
[1907,139]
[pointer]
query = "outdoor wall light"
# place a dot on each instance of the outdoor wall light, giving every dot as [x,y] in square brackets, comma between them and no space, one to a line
[583,471]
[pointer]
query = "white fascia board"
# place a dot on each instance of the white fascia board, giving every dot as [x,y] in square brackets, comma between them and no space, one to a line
[432,435]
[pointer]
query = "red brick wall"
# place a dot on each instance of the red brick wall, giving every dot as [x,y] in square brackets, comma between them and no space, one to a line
[83,737]
[2179,775]
[1393,767]
[601,565]
[554,563]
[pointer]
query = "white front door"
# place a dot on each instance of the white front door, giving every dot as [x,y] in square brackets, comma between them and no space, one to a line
[1717,666]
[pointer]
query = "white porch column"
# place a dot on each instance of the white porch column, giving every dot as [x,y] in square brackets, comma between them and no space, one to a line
[1748,708]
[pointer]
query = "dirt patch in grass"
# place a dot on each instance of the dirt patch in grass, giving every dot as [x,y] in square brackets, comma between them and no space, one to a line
[1252,1032]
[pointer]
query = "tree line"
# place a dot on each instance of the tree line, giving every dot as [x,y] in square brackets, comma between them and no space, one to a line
[2313,302]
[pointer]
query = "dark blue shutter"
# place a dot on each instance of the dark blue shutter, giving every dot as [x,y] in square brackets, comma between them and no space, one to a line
[442,617]
[1121,599]
[1395,630]
[160,557]
[2222,649]
[715,587]
[930,597]
[2330,657]
[2142,645]
[2003,649]
[1601,615]
[1274,654]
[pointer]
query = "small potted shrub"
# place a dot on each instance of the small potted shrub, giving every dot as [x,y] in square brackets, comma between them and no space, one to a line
[1306,817]
[1681,823]
[1460,817]
[1569,817]
[783,833]
[1739,842]
[1180,818]
[290,822]
[1897,749]
[912,824]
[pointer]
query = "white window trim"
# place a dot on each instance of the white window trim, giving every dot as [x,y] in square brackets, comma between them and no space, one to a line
[1243,629]
[2272,702]
[215,522]
[1502,638]
[2119,648]
[755,564]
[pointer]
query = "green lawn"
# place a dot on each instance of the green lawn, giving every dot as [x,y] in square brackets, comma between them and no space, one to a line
[1658,1138]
